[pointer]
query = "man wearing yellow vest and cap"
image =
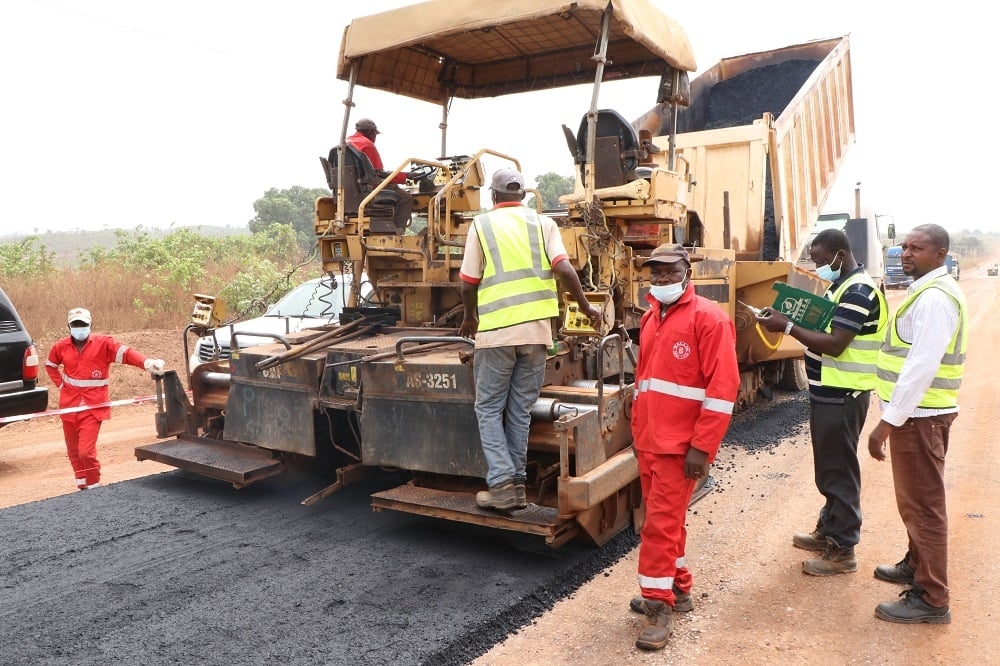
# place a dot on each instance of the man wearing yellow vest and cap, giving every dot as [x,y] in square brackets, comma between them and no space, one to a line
[840,366]
[919,371]
[509,292]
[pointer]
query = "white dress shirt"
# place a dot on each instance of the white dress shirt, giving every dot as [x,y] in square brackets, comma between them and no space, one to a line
[928,324]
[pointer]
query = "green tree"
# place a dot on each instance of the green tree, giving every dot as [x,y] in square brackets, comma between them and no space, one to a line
[551,186]
[294,207]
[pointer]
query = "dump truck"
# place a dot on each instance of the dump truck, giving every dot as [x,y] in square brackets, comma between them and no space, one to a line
[390,386]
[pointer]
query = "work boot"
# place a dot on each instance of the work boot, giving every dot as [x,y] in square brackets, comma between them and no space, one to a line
[815,540]
[912,609]
[901,572]
[659,626]
[502,496]
[682,603]
[522,496]
[835,559]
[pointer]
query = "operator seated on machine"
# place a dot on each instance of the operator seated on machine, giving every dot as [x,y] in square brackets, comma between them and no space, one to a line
[364,140]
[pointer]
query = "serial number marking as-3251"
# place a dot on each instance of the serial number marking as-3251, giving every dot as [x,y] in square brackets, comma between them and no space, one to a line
[432,381]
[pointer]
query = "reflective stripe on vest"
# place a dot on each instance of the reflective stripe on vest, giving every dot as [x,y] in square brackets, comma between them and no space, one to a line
[518,284]
[685,393]
[943,391]
[855,368]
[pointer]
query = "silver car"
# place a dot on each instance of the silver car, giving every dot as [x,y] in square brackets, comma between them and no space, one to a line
[316,302]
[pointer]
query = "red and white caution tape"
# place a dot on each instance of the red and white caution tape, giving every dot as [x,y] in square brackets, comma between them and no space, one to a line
[80,408]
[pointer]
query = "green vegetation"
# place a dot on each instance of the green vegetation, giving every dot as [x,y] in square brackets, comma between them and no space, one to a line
[294,206]
[551,186]
[147,281]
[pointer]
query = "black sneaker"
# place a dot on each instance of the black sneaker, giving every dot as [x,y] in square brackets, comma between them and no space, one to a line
[912,609]
[901,572]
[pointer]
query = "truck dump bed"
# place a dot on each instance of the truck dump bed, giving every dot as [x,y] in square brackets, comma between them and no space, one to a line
[769,131]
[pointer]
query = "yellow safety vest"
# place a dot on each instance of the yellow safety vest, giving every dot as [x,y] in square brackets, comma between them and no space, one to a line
[856,366]
[943,392]
[518,284]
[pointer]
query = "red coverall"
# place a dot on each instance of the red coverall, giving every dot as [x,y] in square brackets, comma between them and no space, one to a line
[687,381]
[83,380]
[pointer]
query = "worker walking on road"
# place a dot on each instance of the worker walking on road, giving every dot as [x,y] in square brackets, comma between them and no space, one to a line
[509,294]
[919,371]
[687,380]
[840,366]
[79,365]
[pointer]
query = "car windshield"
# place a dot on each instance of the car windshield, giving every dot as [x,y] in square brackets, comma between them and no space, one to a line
[312,299]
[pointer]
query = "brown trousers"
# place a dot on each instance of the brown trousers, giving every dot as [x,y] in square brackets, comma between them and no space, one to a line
[917,450]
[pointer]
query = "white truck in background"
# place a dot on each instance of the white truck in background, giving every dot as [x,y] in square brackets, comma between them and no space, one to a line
[862,229]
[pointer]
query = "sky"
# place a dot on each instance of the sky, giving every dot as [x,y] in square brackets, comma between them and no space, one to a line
[119,114]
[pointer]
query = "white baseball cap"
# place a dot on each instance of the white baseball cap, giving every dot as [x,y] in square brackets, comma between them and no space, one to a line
[79,314]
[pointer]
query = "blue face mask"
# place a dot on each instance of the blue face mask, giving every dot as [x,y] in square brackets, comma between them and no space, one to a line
[667,293]
[828,274]
[80,333]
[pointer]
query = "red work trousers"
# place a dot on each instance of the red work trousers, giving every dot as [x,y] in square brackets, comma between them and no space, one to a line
[661,551]
[80,431]
[917,450]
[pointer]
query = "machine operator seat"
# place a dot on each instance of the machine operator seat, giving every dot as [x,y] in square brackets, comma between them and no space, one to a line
[360,178]
[617,150]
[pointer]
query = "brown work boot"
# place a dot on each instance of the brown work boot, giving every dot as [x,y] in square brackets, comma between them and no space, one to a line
[502,496]
[835,559]
[912,609]
[901,572]
[682,603]
[522,496]
[815,540]
[659,626]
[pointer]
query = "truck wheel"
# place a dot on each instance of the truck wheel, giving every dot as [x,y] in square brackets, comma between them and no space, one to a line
[793,375]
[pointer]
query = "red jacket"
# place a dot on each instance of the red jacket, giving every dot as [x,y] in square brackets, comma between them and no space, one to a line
[367,146]
[83,378]
[687,378]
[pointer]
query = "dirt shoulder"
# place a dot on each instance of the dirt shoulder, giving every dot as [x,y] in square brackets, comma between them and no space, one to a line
[753,604]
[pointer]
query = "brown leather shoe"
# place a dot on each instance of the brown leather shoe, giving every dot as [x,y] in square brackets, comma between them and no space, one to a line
[682,603]
[815,540]
[835,559]
[659,626]
[503,496]
[901,572]
[912,609]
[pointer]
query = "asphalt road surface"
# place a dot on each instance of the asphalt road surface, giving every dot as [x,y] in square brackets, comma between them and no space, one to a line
[177,569]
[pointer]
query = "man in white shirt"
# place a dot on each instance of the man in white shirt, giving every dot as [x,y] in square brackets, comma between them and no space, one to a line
[919,371]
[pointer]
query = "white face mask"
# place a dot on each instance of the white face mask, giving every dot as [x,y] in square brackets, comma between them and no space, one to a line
[80,333]
[827,272]
[668,293]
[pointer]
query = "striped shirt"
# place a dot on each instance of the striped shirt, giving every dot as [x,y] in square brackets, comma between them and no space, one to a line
[858,312]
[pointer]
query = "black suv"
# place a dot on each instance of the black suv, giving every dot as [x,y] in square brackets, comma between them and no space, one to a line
[19,365]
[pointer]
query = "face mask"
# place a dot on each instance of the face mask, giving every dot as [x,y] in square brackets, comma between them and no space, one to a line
[827,273]
[667,293]
[80,334]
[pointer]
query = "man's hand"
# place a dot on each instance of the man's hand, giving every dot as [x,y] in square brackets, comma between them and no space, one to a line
[876,440]
[774,322]
[154,366]
[695,464]
[469,328]
[595,314]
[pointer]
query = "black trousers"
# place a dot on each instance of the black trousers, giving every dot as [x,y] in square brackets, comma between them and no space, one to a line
[835,432]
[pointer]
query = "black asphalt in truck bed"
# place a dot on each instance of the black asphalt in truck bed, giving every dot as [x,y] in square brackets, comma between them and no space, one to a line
[177,569]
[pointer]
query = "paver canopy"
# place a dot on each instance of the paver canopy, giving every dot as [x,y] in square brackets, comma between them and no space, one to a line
[441,49]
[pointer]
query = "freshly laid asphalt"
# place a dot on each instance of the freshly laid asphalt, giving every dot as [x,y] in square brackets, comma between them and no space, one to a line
[178,569]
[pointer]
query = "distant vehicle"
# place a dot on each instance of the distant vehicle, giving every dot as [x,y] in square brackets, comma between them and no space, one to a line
[19,390]
[863,234]
[895,278]
[316,302]
[993,270]
[951,261]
